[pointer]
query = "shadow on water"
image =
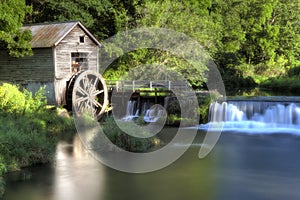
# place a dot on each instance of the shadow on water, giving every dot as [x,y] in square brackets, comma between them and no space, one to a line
[239,167]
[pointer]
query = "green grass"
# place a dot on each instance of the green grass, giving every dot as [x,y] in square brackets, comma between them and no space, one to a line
[29,129]
[126,141]
[287,84]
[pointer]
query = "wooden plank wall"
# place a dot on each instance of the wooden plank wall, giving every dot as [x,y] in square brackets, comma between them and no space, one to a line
[63,52]
[38,67]
[49,90]
[71,44]
[60,87]
[31,72]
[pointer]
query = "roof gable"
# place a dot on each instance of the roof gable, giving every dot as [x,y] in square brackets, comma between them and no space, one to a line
[50,34]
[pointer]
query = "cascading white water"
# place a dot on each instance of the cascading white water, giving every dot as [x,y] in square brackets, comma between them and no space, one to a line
[131,111]
[153,114]
[149,113]
[256,117]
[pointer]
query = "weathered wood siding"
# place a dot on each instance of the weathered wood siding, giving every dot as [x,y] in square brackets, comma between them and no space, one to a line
[60,87]
[31,72]
[71,44]
[49,90]
[38,67]
[63,53]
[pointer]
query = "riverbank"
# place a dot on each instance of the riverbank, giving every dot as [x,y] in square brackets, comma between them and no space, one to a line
[287,84]
[239,167]
[29,129]
[282,85]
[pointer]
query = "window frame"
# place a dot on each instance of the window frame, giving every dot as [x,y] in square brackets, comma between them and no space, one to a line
[79,61]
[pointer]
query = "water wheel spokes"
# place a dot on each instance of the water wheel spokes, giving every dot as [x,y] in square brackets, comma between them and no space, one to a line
[90,94]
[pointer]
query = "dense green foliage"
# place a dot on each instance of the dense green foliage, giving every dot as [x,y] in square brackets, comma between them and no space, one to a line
[103,18]
[28,129]
[267,39]
[289,85]
[250,41]
[125,141]
[174,110]
[12,16]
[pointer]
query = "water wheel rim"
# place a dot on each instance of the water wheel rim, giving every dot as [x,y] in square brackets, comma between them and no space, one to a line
[88,86]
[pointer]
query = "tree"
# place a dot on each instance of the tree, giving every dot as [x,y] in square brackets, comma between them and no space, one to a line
[286,17]
[188,17]
[12,16]
[245,38]
[104,18]
[259,38]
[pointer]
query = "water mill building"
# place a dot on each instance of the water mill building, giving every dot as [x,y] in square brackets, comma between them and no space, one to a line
[59,51]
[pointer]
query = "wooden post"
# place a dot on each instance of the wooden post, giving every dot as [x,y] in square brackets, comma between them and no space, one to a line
[117,86]
[155,95]
[133,86]
[139,105]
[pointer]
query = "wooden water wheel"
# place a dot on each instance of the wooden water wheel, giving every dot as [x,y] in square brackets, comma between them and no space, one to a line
[89,94]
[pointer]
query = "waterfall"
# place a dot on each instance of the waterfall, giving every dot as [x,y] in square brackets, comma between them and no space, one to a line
[256,117]
[132,111]
[153,114]
[149,113]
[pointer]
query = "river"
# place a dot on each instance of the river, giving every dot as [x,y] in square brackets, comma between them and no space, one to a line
[241,166]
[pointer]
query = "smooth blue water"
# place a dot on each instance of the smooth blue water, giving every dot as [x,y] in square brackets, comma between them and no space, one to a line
[247,167]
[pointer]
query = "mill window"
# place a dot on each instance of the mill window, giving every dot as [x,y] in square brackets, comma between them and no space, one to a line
[81,39]
[79,61]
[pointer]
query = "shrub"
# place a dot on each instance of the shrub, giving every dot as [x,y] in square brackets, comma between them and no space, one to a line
[19,148]
[125,141]
[202,109]
[11,99]
[2,186]
[27,129]
[35,102]
[204,101]
[287,84]
[2,171]
[15,101]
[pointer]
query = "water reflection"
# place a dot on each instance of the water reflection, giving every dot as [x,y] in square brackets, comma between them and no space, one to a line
[239,167]
[77,175]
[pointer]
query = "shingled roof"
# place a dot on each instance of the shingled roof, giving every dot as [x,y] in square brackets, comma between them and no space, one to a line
[50,34]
